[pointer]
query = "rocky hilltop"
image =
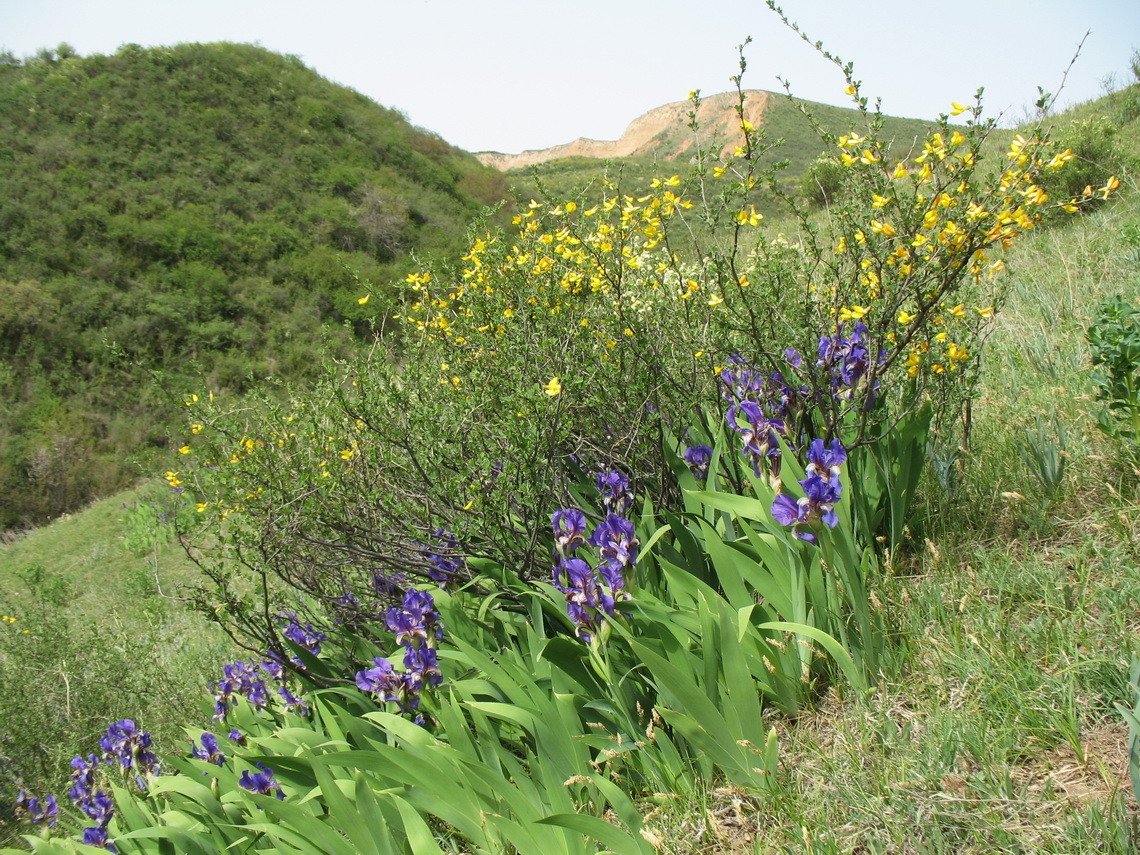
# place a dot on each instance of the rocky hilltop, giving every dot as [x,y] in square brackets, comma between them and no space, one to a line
[663,132]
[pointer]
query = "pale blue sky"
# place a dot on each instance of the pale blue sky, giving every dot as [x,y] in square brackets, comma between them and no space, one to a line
[513,74]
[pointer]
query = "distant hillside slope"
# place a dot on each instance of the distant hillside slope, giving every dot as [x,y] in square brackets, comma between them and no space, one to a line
[192,204]
[662,132]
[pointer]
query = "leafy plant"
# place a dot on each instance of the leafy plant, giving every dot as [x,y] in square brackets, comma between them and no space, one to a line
[1132,718]
[1114,338]
[1044,453]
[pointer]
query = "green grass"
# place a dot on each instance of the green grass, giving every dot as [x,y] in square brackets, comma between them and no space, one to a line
[98,635]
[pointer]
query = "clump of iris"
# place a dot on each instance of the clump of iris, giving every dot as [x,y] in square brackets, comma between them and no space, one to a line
[418,629]
[249,680]
[444,556]
[592,591]
[822,488]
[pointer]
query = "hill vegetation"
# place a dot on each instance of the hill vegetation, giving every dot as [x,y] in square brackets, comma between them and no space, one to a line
[203,209]
[780,119]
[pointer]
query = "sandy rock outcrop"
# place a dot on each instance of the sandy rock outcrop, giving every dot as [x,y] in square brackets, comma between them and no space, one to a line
[663,132]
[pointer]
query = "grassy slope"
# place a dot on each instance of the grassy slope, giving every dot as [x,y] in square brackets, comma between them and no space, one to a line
[93,641]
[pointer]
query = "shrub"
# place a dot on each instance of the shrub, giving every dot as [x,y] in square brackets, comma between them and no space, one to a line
[822,181]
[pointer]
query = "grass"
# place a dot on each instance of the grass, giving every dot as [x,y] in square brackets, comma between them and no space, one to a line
[96,637]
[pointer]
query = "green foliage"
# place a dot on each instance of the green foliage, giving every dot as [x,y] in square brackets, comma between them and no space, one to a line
[822,181]
[202,209]
[1114,338]
[65,679]
[1044,453]
[1096,156]
[1132,718]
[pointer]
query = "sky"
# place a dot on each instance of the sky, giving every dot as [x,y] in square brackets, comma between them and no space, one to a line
[509,75]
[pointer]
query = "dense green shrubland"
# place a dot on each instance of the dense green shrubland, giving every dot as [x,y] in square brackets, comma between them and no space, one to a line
[198,210]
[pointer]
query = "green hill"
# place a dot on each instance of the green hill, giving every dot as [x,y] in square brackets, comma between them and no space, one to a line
[783,120]
[197,209]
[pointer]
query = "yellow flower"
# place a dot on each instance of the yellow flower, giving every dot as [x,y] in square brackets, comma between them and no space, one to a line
[716,300]
[885,229]
[851,89]
[855,313]
[184,449]
[878,201]
[956,109]
[958,311]
[988,312]
[195,428]
[553,387]
[900,170]
[905,317]
[364,299]
[571,207]
[749,217]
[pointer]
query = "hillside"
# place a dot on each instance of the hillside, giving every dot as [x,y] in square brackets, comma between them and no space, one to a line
[664,134]
[190,209]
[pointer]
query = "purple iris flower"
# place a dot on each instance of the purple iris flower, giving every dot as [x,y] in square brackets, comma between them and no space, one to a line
[237,737]
[698,458]
[617,543]
[417,621]
[37,815]
[130,746]
[422,663]
[303,635]
[210,752]
[293,704]
[82,777]
[569,530]
[383,681]
[97,836]
[445,557]
[261,782]
[759,434]
[98,807]
[825,460]
[241,679]
[273,667]
[377,680]
[585,600]
[616,495]
[847,358]
[822,489]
